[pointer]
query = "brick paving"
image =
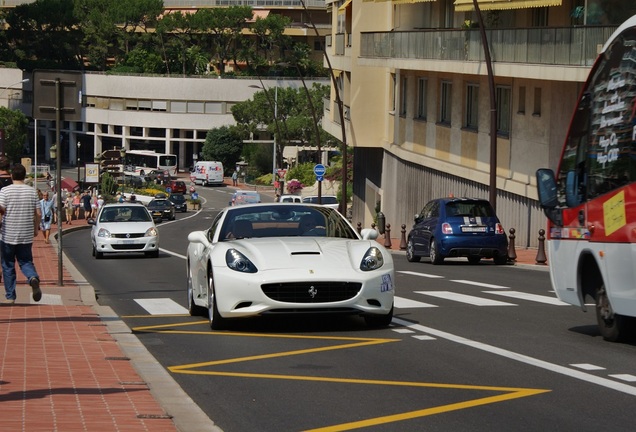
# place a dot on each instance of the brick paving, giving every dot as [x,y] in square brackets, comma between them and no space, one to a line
[61,368]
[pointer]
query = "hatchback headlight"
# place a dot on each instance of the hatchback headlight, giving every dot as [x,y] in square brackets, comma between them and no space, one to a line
[372,260]
[103,232]
[151,232]
[239,262]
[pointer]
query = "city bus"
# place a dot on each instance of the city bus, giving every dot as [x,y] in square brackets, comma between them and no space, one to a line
[590,202]
[141,162]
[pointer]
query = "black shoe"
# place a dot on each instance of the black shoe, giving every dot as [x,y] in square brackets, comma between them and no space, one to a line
[37,292]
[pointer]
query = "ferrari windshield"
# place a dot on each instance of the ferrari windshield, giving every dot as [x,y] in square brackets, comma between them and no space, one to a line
[285,220]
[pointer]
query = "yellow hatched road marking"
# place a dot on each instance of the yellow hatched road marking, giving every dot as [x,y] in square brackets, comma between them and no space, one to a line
[508,393]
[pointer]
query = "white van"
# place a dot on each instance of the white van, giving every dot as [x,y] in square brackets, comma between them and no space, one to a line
[207,173]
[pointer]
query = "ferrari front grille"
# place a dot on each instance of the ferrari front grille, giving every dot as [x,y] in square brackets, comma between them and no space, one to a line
[311,292]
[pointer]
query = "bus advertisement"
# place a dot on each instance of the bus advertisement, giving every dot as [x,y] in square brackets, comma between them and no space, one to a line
[590,202]
[141,162]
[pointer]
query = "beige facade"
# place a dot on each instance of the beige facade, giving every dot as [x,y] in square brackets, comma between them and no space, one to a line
[414,86]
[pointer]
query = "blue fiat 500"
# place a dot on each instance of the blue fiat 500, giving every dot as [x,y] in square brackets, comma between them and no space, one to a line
[457,227]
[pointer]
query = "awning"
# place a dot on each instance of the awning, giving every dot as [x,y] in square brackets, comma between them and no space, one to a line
[342,9]
[259,13]
[398,1]
[467,5]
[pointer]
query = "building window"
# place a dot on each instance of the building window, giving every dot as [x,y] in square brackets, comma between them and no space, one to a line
[472,106]
[421,98]
[403,94]
[393,92]
[503,110]
[521,109]
[445,102]
[540,17]
[536,110]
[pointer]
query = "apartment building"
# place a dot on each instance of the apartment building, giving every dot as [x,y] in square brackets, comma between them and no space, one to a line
[414,89]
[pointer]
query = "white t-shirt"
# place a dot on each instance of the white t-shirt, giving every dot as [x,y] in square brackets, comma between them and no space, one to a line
[19,202]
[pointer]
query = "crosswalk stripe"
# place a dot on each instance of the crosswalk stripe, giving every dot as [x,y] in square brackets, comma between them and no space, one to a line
[404,303]
[479,284]
[463,298]
[532,297]
[426,275]
[161,306]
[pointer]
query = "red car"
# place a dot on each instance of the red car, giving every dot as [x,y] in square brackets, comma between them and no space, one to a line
[177,186]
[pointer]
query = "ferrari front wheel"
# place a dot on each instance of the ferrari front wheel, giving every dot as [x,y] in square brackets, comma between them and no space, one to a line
[217,322]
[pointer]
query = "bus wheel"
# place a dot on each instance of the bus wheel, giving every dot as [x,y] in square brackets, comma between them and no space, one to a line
[613,327]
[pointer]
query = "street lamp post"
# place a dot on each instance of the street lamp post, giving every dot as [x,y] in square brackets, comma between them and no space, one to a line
[274,108]
[79,144]
[122,154]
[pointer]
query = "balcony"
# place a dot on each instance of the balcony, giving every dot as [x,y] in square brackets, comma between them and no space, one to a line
[567,46]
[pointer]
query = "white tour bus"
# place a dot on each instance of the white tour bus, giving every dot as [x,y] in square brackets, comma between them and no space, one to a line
[141,162]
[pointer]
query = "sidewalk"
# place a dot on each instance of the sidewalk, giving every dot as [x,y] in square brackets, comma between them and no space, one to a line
[69,364]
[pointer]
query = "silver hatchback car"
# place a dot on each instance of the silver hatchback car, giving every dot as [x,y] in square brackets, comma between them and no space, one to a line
[124,228]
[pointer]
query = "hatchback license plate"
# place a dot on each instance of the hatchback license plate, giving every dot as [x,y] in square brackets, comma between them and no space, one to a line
[477,229]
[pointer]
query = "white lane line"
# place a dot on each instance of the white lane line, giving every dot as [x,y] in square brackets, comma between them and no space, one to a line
[161,306]
[587,366]
[404,303]
[424,337]
[463,298]
[572,373]
[624,377]
[479,284]
[402,330]
[426,275]
[531,297]
[173,253]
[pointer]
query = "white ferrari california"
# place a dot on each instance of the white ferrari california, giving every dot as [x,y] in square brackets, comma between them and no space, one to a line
[287,258]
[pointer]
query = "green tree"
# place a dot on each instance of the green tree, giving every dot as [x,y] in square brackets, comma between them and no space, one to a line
[222,29]
[223,144]
[14,124]
[44,34]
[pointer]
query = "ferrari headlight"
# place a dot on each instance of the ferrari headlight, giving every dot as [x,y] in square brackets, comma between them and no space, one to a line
[151,232]
[103,233]
[239,262]
[372,260]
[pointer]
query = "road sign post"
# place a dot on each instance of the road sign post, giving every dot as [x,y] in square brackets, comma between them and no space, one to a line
[319,170]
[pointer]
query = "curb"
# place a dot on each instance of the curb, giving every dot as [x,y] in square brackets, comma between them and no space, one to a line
[186,414]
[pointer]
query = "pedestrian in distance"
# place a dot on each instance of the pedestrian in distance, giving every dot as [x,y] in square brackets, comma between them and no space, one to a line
[86,204]
[21,219]
[77,203]
[5,175]
[46,209]
[68,208]
[235,178]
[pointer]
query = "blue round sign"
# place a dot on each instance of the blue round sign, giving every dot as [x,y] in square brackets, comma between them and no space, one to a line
[319,170]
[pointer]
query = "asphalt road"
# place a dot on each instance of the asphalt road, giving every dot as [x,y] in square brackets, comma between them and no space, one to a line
[471,348]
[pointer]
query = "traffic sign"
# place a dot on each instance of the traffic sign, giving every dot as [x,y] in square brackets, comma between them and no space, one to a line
[282,173]
[319,170]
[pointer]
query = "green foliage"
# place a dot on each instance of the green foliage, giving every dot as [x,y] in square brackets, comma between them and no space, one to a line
[303,173]
[15,125]
[108,184]
[265,179]
[223,144]
[143,61]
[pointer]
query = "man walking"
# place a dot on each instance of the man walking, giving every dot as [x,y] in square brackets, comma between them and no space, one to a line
[19,206]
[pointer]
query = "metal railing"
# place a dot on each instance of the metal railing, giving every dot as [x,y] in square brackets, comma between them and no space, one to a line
[574,46]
